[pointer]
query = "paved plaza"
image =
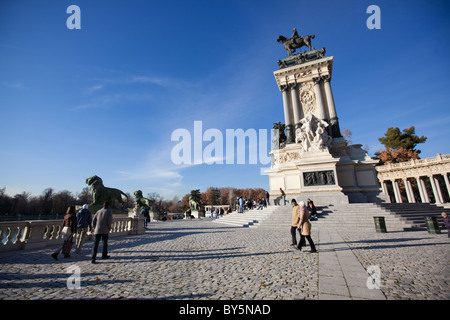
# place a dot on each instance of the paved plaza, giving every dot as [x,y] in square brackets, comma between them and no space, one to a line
[199,259]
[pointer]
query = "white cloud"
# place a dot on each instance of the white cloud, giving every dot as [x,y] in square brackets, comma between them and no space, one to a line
[13,85]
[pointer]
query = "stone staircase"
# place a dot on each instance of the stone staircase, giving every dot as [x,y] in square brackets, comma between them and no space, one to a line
[415,213]
[359,216]
[249,218]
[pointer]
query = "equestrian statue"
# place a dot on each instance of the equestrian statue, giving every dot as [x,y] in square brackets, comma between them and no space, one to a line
[296,42]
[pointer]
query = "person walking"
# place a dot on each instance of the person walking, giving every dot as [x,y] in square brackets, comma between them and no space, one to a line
[146,214]
[446,222]
[295,220]
[304,228]
[70,227]
[84,224]
[283,195]
[241,205]
[102,224]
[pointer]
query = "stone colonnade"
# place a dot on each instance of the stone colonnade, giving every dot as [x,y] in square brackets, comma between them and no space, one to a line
[306,88]
[424,180]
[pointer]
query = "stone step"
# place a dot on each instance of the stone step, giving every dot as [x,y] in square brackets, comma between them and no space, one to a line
[359,216]
[246,219]
[356,215]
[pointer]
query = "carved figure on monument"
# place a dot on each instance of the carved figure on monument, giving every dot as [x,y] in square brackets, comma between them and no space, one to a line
[279,137]
[100,193]
[322,140]
[312,135]
[296,42]
[307,97]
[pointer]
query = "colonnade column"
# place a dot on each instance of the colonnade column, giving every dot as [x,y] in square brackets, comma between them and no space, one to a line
[397,194]
[447,183]
[334,122]
[422,190]
[287,115]
[409,191]
[384,188]
[436,190]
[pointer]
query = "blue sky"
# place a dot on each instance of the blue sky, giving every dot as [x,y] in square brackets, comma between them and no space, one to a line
[106,99]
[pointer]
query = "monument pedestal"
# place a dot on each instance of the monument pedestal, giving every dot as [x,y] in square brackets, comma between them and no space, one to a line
[344,174]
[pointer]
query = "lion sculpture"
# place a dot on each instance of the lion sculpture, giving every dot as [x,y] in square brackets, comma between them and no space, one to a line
[141,201]
[193,205]
[101,194]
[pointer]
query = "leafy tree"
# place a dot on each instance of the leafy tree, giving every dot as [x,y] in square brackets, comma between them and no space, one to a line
[397,155]
[400,146]
[395,139]
[212,195]
[85,196]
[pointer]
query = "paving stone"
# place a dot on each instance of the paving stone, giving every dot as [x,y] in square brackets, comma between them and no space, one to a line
[201,260]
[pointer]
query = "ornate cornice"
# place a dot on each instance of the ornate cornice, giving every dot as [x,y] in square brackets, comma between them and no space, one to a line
[415,168]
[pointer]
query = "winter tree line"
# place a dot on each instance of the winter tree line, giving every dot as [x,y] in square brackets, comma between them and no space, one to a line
[51,202]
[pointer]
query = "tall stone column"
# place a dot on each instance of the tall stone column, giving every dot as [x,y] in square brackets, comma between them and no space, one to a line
[298,113]
[334,122]
[384,188]
[435,187]
[421,192]
[409,191]
[398,195]
[319,100]
[438,189]
[287,115]
[447,183]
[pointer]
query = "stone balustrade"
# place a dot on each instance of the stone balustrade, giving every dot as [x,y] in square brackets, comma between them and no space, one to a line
[17,235]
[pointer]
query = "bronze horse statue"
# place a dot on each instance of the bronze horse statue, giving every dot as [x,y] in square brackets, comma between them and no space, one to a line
[296,42]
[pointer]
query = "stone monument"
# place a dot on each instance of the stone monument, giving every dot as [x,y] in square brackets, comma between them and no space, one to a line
[140,203]
[311,158]
[194,204]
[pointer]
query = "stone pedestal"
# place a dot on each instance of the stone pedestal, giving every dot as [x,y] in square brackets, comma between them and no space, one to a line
[342,175]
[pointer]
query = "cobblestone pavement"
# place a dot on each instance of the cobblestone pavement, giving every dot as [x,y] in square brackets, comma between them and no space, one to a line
[414,265]
[198,259]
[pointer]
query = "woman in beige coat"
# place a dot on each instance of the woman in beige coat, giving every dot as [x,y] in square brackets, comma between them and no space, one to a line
[304,228]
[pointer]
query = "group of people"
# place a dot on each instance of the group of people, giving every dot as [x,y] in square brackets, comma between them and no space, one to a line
[243,204]
[301,215]
[76,226]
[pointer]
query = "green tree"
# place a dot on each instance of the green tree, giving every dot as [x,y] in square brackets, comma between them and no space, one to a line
[395,139]
[400,146]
